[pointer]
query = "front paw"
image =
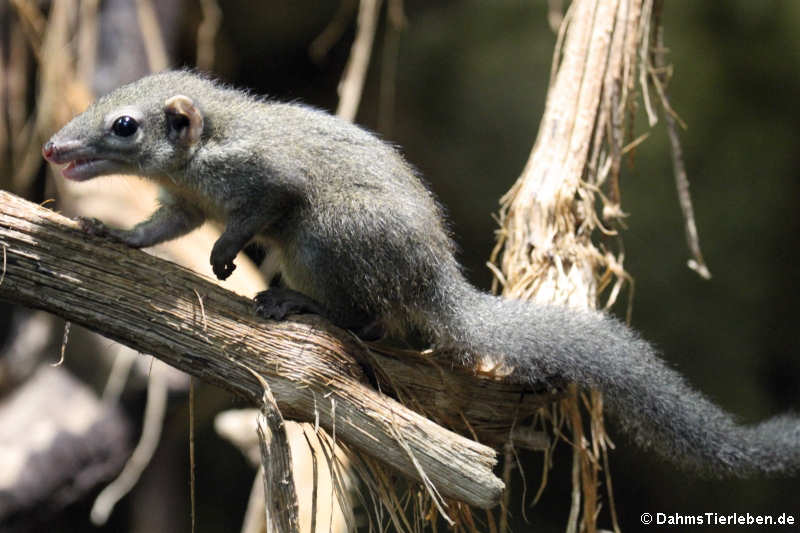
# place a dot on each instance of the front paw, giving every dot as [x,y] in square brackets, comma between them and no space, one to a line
[96,228]
[222,268]
[93,227]
[222,262]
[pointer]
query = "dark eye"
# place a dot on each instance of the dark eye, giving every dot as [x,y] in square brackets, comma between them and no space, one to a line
[125,126]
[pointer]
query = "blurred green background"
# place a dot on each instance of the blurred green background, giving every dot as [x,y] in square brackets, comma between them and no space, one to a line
[470,87]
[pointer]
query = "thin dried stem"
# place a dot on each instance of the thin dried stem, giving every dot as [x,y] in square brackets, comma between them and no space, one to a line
[157,58]
[352,82]
[151,434]
[322,44]
[33,23]
[280,494]
[254,516]
[697,263]
[397,21]
[644,60]
[192,464]
[87,39]
[207,33]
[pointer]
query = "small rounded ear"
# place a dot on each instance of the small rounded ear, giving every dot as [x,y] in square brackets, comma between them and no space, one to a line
[184,119]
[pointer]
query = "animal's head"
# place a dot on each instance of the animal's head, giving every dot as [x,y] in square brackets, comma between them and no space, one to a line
[148,128]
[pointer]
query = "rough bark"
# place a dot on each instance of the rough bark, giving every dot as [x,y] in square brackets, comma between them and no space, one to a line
[313,368]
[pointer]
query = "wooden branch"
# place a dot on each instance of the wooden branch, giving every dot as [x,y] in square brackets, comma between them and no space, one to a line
[159,308]
[280,494]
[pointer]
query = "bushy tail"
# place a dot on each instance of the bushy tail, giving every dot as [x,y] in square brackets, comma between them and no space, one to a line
[652,402]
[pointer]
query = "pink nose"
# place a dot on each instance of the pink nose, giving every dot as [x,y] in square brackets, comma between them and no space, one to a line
[48,150]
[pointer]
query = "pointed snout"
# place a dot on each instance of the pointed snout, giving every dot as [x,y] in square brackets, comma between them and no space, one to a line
[61,152]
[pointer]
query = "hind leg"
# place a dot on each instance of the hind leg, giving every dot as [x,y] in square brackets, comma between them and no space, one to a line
[279,302]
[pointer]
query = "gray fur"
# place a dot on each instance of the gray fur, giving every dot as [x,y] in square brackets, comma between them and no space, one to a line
[351,225]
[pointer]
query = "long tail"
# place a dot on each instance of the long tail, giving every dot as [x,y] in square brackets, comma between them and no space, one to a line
[651,401]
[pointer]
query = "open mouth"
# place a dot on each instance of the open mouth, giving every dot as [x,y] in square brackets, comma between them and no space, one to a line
[84,169]
[77,161]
